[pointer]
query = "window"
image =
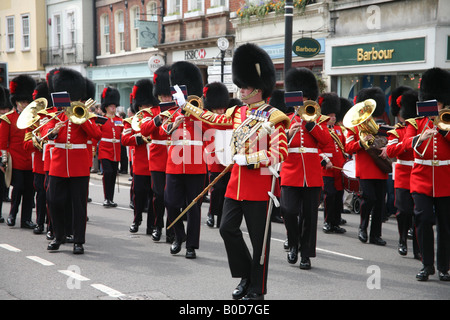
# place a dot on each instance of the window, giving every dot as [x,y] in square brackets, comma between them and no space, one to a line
[120,27]
[135,17]
[10,34]
[152,13]
[71,31]
[219,3]
[25,32]
[104,25]
[57,42]
[195,5]
[174,7]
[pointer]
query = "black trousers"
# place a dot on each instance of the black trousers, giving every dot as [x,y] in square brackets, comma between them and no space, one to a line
[65,194]
[41,199]
[180,190]
[333,202]
[405,216]
[22,191]
[3,189]
[299,208]
[158,186]
[373,203]
[142,195]
[109,177]
[243,264]
[217,197]
[428,211]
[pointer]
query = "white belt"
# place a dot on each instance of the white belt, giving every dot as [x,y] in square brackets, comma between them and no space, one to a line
[406,162]
[187,143]
[303,150]
[162,142]
[70,146]
[433,163]
[111,140]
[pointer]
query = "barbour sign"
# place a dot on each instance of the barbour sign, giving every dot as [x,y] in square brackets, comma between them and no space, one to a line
[306,47]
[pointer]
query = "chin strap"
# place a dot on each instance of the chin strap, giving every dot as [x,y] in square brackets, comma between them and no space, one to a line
[251,95]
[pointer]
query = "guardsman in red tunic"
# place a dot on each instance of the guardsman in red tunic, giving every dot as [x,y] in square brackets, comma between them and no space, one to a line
[403,106]
[258,141]
[158,152]
[70,164]
[216,99]
[11,141]
[430,183]
[301,173]
[143,101]
[109,146]
[333,159]
[372,178]
[186,166]
[5,107]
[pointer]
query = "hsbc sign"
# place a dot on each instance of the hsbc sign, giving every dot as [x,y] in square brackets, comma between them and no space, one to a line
[196,54]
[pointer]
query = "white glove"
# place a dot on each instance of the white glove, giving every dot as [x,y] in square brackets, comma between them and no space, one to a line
[240,159]
[179,96]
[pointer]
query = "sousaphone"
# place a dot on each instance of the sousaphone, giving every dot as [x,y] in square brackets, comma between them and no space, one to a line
[29,116]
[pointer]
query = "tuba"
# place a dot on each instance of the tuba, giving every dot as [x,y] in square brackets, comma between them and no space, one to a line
[360,116]
[29,116]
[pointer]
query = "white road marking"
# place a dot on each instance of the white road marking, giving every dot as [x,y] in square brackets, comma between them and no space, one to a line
[10,248]
[109,291]
[74,275]
[41,261]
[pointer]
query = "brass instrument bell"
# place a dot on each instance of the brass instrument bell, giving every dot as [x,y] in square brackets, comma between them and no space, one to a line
[360,115]
[29,115]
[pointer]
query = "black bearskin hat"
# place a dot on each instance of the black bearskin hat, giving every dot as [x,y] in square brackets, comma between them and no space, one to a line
[408,107]
[302,79]
[215,96]
[142,94]
[277,101]
[252,67]
[396,93]
[345,105]
[188,74]
[110,96]
[49,79]
[90,90]
[21,89]
[435,84]
[329,102]
[65,79]
[161,82]
[375,93]
[41,91]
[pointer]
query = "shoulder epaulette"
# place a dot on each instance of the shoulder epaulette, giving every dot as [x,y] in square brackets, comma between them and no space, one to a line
[278,116]
[322,118]
[229,112]
[5,117]
[128,120]
[394,132]
[412,121]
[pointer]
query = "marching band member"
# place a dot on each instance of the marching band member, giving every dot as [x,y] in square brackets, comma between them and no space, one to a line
[216,99]
[372,179]
[143,101]
[158,152]
[333,159]
[4,108]
[429,183]
[109,146]
[11,141]
[70,165]
[301,173]
[403,106]
[255,148]
[186,167]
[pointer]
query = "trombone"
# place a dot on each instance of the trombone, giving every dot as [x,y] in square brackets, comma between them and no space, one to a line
[193,100]
[442,122]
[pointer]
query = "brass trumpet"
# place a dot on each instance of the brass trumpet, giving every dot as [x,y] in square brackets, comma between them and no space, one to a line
[194,100]
[309,111]
[360,115]
[442,122]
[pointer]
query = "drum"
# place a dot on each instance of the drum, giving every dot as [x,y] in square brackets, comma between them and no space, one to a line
[351,183]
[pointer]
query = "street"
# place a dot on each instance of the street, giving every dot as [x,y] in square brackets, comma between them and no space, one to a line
[120,265]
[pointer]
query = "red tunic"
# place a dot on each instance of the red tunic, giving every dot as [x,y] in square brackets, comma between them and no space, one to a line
[160,142]
[405,158]
[70,157]
[11,140]
[36,154]
[109,146]
[302,166]
[140,156]
[430,173]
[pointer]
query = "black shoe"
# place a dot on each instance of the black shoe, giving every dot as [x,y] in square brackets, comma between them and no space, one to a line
[292,255]
[50,235]
[39,229]
[253,296]
[362,235]
[241,289]
[89,200]
[286,245]
[305,264]
[378,241]
[402,249]
[156,234]
[54,245]
[326,228]
[210,220]
[190,253]
[134,227]
[27,225]
[113,204]
[69,239]
[175,247]
[425,273]
[10,221]
[338,230]
[444,276]
[2,220]
[107,203]
[78,248]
